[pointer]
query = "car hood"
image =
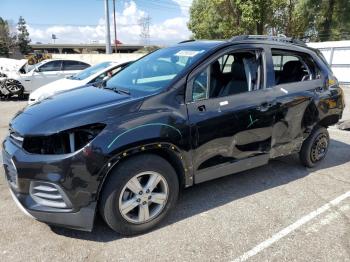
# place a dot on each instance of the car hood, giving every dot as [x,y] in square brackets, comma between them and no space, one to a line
[8,64]
[78,107]
[55,87]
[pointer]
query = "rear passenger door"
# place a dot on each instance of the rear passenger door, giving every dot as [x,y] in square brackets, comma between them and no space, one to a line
[298,84]
[230,113]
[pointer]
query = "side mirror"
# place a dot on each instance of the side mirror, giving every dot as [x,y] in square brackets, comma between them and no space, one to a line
[37,69]
[105,78]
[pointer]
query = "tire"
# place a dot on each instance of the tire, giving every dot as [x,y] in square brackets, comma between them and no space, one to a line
[117,194]
[315,147]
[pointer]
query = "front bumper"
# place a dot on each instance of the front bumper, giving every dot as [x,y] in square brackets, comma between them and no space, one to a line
[67,201]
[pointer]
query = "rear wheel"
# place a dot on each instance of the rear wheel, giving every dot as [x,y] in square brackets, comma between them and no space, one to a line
[138,194]
[315,147]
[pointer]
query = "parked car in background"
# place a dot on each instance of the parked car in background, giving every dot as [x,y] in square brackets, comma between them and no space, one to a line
[93,75]
[26,78]
[177,117]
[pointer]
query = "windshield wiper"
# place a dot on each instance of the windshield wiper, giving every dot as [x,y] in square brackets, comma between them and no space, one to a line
[118,90]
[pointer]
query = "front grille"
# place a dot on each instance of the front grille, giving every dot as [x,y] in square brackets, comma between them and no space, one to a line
[10,169]
[49,194]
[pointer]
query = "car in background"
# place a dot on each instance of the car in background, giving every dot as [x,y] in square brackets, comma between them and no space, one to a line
[26,78]
[96,75]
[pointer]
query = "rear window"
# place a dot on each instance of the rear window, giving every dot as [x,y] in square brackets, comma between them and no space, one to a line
[292,67]
[74,65]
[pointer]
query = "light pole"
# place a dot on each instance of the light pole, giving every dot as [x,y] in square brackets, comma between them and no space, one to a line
[108,32]
[115,27]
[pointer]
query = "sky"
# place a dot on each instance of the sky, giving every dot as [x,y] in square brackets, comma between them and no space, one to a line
[83,21]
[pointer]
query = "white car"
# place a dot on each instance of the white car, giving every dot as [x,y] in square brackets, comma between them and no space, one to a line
[23,78]
[92,75]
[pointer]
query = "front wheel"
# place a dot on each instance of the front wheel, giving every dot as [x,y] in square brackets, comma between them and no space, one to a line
[138,194]
[315,147]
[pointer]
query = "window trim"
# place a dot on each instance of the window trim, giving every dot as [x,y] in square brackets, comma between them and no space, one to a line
[257,48]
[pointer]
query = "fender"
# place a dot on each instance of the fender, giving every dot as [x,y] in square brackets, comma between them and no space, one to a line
[170,152]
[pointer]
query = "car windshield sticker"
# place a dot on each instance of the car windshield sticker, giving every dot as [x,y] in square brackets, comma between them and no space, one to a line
[189,53]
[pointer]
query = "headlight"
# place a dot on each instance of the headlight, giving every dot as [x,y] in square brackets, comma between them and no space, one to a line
[65,142]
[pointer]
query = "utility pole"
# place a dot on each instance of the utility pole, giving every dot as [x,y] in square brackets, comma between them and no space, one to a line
[108,32]
[115,28]
[144,23]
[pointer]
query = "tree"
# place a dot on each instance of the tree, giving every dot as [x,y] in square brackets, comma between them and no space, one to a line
[23,39]
[311,20]
[6,40]
[226,18]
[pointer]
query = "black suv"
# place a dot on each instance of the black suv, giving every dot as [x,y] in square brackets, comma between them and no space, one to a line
[179,116]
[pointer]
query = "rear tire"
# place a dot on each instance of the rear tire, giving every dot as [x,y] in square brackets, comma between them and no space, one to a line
[145,184]
[315,147]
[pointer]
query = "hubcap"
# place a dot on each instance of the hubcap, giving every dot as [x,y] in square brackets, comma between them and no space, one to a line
[319,148]
[143,197]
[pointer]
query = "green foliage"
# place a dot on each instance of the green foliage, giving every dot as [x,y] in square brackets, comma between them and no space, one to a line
[23,39]
[308,19]
[6,41]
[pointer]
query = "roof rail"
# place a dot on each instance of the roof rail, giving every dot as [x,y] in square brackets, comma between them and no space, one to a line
[280,38]
[186,41]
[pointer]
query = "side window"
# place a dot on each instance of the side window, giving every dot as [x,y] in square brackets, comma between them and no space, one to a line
[74,65]
[200,86]
[293,67]
[230,74]
[51,66]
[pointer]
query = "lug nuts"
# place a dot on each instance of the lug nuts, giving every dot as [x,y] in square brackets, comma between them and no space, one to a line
[149,197]
[144,203]
[147,191]
[140,193]
[138,200]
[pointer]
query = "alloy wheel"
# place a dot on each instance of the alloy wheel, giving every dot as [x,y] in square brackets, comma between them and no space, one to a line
[143,197]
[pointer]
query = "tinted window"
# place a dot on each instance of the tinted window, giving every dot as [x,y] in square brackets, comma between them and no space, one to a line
[156,70]
[74,65]
[291,67]
[51,66]
[229,75]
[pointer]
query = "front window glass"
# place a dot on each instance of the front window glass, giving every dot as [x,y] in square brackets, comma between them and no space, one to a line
[91,71]
[155,71]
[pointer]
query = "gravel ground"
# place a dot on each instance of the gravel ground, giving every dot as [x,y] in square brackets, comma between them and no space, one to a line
[283,206]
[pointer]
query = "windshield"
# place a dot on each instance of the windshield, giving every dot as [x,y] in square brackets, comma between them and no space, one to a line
[155,71]
[91,71]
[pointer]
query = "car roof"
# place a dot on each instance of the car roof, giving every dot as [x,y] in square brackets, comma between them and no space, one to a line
[249,39]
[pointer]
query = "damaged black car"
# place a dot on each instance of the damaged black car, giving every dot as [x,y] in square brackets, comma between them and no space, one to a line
[179,116]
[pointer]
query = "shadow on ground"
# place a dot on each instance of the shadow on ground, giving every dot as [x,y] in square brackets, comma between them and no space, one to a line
[224,190]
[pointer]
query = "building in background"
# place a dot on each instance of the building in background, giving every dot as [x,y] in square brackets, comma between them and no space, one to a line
[337,54]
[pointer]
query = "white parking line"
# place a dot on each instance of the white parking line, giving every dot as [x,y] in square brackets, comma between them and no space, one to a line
[284,232]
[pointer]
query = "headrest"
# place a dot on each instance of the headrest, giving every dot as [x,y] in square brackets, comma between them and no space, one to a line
[292,67]
[238,71]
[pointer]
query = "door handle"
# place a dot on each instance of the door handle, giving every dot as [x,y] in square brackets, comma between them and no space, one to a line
[264,107]
[202,108]
[319,89]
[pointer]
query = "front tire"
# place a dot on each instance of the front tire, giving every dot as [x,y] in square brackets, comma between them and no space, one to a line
[315,147]
[138,194]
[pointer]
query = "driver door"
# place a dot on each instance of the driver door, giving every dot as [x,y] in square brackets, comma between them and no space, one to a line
[230,113]
[46,73]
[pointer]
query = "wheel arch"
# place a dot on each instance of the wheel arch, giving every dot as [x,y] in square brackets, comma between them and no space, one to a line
[169,152]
